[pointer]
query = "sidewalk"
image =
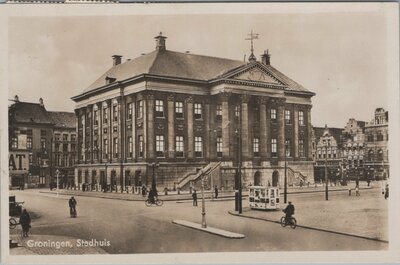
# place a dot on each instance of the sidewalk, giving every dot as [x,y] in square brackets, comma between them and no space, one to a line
[185,195]
[365,217]
[51,245]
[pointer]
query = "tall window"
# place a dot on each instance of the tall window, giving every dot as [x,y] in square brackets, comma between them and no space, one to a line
[380,155]
[115,147]
[198,111]
[219,146]
[141,146]
[273,147]
[130,111]
[140,108]
[219,112]
[105,115]
[179,146]
[301,148]
[273,114]
[115,112]
[57,137]
[179,109]
[287,116]
[288,148]
[65,137]
[30,158]
[379,137]
[256,146]
[130,146]
[95,117]
[159,108]
[105,148]
[237,111]
[73,137]
[370,137]
[43,143]
[160,145]
[198,146]
[301,118]
[14,142]
[29,142]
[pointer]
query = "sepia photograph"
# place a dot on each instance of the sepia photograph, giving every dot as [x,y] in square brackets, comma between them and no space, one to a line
[147,133]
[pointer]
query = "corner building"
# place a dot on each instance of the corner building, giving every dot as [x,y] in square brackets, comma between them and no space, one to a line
[166,115]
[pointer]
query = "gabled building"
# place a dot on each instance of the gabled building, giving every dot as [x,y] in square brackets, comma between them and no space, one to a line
[164,116]
[32,130]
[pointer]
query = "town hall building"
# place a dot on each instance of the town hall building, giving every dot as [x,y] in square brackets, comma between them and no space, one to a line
[168,117]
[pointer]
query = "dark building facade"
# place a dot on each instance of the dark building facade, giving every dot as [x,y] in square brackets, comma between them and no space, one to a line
[34,130]
[167,115]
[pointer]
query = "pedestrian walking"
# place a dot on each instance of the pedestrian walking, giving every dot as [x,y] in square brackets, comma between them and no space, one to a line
[216,192]
[357,191]
[72,207]
[25,221]
[194,196]
[387,191]
[349,191]
[144,191]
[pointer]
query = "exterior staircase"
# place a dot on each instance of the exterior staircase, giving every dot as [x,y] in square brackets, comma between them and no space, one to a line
[211,169]
[294,177]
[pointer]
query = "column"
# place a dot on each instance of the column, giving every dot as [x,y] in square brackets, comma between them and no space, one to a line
[133,100]
[224,97]
[91,131]
[281,128]
[295,134]
[109,121]
[83,118]
[189,122]
[100,132]
[245,126]
[78,137]
[207,118]
[309,134]
[212,152]
[171,126]
[262,101]
[150,126]
[122,136]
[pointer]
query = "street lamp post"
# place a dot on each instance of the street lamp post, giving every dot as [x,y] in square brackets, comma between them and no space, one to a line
[203,204]
[285,179]
[238,178]
[57,174]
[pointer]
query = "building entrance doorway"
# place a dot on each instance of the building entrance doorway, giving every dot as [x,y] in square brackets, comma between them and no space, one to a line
[257,178]
[275,178]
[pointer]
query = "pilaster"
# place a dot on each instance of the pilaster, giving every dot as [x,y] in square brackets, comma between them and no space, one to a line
[189,122]
[171,126]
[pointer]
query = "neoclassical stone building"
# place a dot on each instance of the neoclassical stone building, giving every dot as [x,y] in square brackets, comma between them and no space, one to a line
[165,115]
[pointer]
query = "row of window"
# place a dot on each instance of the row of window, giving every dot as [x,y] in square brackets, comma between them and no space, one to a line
[64,137]
[63,161]
[179,113]
[198,147]
[29,143]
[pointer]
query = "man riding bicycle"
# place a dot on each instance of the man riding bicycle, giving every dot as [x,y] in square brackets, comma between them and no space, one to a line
[289,211]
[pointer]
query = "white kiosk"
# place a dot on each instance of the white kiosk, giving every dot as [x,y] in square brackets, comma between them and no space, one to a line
[265,198]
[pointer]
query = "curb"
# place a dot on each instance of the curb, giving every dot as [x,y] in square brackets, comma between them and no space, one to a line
[165,197]
[311,228]
[210,230]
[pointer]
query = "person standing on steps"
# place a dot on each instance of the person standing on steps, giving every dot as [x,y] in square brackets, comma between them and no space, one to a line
[216,192]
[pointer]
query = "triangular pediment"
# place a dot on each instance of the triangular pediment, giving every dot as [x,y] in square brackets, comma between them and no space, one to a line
[257,74]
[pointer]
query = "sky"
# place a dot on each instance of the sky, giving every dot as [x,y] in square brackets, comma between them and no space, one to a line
[341,56]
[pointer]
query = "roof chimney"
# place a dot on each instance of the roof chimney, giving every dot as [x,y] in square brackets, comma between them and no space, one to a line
[265,58]
[116,59]
[16,99]
[160,42]
[41,102]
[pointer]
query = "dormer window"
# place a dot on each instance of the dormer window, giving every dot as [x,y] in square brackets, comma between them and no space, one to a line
[110,80]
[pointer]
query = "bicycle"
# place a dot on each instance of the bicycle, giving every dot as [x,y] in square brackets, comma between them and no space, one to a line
[157,202]
[292,222]
[13,222]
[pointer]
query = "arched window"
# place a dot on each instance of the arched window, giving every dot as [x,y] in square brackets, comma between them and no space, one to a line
[380,155]
[370,155]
